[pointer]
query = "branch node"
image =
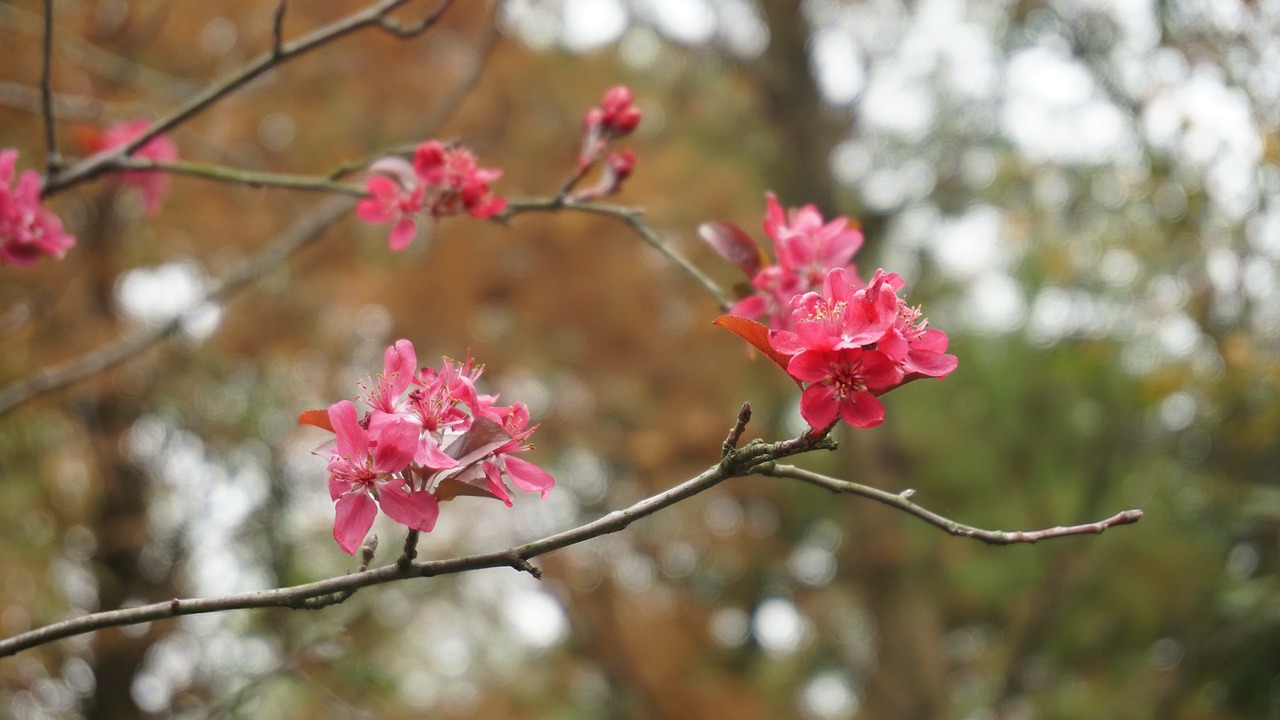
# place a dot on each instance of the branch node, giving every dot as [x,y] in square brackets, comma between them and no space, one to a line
[735,433]
[524,565]
[410,551]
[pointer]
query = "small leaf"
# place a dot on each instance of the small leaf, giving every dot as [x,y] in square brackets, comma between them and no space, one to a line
[452,487]
[734,245]
[756,334]
[318,418]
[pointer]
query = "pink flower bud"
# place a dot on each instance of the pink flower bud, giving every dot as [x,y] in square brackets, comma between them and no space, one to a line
[617,99]
[626,121]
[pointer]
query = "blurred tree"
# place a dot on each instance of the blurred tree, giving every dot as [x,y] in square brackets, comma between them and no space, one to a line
[1083,195]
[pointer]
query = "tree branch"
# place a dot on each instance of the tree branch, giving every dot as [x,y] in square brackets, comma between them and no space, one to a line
[238,176]
[901,501]
[634,219]
[738,463]
[53,159]
[110,354]
[107,160]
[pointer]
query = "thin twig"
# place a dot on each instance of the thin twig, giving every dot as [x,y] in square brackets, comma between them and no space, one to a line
[238,176]
[901,501]
[738,463]
[53,159]
[277,29]
[102,63]
[110,354]
[634,219]
[371,16]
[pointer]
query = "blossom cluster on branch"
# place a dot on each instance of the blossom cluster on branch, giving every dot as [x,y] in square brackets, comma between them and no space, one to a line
[28,230]
[427,436]
[850,341]
[440,181]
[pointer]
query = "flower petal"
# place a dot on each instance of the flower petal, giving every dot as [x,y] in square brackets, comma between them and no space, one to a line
[417,510]
[355,513]
[527,476]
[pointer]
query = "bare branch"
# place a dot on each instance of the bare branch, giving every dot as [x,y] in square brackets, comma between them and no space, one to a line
[634,219]
[53,159]
[277,29]
[104,64]
[737,464]
[110,354]
[901,501]
[238,176]
[108,160]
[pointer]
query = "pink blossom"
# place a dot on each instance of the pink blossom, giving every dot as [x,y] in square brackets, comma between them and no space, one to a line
[366,472]
[397,198]
[458,182]
[27,230]
[807,245]
[154,186]
[843,384]
[428,436]
[440,181]
[807,248]
[852,343]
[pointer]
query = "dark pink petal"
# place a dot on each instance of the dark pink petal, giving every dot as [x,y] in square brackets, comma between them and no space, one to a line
[749,307]
[933,364]
[894,345]
[527,476]
[862,410]
[396,442]
[431,457]
[818,405]
[786,342]
[775,220]
[355,513]
[812,365]
[417,510]
[353,441]
[496,486]
[402,234]
[400,362]
[878,369]
[372,211]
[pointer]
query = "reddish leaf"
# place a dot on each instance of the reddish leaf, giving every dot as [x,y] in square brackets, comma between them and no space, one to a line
[756,334]
[451,488]
[734,245]
[318,418]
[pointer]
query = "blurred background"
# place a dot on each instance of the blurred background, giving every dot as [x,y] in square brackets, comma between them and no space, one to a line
[1082,194]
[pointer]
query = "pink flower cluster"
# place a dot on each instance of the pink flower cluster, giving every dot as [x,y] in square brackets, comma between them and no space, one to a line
[853,342]
[27,230]
[428,436]
[440,181]
[153,186]
[850,342]
[806,247]
[616,118]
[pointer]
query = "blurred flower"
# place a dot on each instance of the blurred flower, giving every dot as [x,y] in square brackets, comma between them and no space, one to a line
[27,230]
[806,247]
[154,185]
[440,181]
